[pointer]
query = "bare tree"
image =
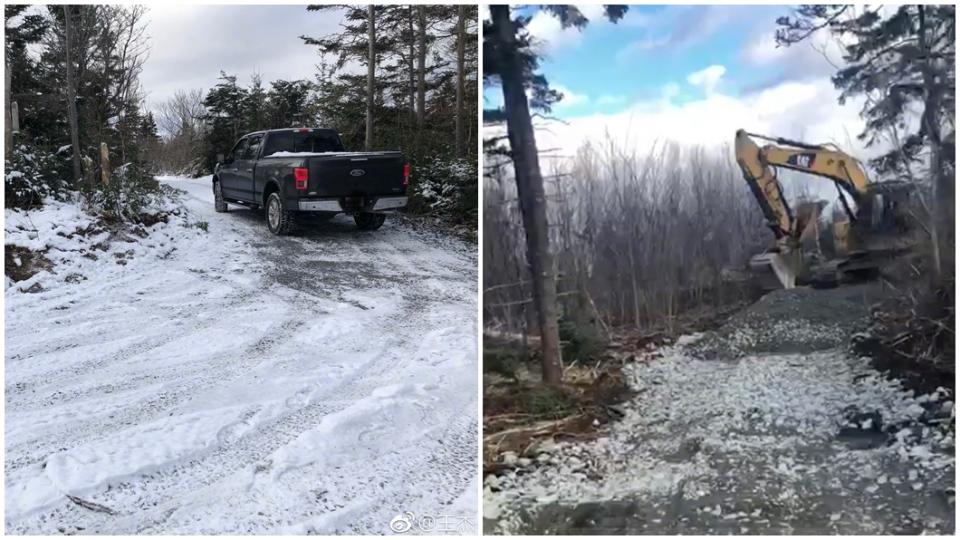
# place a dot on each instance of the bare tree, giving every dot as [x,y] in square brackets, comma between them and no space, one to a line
[640,238]
[180,122]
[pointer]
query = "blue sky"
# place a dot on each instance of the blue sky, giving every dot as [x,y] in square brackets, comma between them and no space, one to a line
[691,74]
[606,67]
[676,41]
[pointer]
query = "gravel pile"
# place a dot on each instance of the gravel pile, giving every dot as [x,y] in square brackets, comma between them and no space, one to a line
[801,320]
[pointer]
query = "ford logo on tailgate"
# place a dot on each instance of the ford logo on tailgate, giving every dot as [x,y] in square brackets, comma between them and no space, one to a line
[358,172]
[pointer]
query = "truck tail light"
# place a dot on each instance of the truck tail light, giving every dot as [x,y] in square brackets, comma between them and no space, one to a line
[406,174]
[300,176]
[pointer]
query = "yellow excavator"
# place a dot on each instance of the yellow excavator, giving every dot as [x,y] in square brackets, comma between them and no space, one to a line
[872,228]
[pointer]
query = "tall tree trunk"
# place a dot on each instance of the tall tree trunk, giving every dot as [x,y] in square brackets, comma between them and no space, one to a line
[461,36]
[941,184]
[411,63]
[421,64]
[371,67]
[8,118]
[530,192]
[72,95]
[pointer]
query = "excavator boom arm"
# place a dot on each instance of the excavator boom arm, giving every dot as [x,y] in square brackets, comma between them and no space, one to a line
[763,183]
[844,170]
[758,166]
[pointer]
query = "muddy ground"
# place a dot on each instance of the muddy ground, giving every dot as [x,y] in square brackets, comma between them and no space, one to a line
[766,425]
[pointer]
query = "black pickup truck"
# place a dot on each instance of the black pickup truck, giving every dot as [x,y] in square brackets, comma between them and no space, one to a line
[288,171]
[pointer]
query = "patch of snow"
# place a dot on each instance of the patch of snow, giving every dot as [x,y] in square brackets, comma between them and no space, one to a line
[230,381]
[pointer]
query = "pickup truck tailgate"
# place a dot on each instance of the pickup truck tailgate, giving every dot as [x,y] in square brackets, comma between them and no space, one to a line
[370,174]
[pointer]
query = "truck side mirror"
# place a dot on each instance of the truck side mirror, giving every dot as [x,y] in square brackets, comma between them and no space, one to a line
[219,158]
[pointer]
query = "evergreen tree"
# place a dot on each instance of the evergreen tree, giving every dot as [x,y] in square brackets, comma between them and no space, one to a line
[255,105]
[901,60]
[107,49]
[510,63]
[225,119]
[289,103]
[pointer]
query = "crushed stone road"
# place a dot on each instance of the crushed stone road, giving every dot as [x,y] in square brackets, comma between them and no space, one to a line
[230,381]
[765,426]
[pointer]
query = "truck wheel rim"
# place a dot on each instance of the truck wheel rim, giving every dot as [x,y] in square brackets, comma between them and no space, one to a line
[274,213]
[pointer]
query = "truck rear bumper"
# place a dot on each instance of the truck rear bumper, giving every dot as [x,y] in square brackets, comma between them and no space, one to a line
[390,203]
[334,205]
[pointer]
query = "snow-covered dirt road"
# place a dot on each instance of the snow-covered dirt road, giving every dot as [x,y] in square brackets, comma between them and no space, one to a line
[230,381]
[765,426]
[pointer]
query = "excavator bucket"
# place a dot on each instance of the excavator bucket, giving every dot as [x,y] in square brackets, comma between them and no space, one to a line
[784,267]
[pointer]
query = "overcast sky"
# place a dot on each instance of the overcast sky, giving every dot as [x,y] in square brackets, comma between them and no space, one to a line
[191,44]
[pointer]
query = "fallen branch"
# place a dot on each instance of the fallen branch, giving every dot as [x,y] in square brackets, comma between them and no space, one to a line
[91,505]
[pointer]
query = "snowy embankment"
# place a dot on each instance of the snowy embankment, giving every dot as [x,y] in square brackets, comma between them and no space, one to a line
[768,443]
[73,242]
[204,376]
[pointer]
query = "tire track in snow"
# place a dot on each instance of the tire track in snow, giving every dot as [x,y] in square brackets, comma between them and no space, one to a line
[414,307]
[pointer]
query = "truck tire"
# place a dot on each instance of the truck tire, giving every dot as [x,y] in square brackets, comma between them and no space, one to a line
[369,221]
[219,205]
[279,219]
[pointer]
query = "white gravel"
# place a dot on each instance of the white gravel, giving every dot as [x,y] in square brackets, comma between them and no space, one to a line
[740,446]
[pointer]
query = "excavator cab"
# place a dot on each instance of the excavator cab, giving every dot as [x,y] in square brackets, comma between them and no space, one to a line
[869,224]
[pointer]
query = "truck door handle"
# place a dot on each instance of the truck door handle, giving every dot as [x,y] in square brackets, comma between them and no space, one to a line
[249,170]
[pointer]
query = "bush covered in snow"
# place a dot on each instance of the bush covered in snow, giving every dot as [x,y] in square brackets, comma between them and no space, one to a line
[63,241]
[131,191]
[32,174]
[445,186]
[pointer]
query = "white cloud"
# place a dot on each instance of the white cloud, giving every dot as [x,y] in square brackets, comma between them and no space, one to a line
[805,111]
[594,13]
[707,78]
[817,55]
[669,91]
[547,29]
[611,99]
[570,98]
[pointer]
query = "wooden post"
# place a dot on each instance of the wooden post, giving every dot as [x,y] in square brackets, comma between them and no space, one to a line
[8,123]
[104,164]
[14,118]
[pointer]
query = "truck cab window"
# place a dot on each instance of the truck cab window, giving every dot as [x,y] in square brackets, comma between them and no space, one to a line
[317,141]
[250,152]
[237,150]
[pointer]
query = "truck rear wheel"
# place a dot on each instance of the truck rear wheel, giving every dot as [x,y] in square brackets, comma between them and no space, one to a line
[219,205]
[369,221]
[279,219]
